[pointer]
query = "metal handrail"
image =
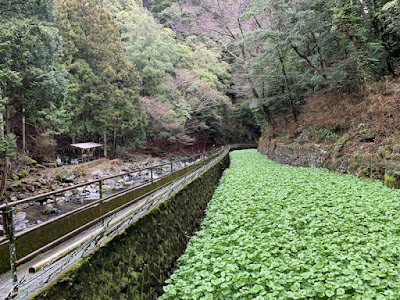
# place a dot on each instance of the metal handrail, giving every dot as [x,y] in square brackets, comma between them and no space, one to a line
[7,209]
[46,195]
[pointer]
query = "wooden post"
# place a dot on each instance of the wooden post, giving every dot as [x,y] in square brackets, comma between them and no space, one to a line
[151,175]
[105,144]
[101,189]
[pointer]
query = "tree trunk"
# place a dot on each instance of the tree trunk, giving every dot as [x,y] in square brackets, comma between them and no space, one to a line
[291,104]
[105,143]
[3,180]
[23,132]
[265,109]
[115,143]
[6,162]
[1,126]
[1,120]
[8,120]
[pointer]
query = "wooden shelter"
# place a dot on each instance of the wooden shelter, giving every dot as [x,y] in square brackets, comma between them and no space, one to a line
[86,150]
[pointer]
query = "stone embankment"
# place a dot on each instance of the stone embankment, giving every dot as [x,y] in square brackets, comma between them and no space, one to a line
[314,156]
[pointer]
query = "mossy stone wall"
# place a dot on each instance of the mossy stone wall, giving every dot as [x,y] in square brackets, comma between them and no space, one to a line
[135,264]
[363,166]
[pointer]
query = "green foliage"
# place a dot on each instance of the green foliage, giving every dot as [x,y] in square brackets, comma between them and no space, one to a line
[277,232]
[182,78]
[30,83]
[103,95]
[318,135]
[8,147]
[206,63]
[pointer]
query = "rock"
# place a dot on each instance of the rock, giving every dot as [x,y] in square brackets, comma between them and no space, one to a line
[53,187]
[39,222]
[65,175]
[107,188]
[25,205]
[50,201]
[20,217]
[36,184]
[68,194]
[61,200]
[23,173]
[98,173]
[50,165]
[115,162]
[30,161]
[92,189]
[20,227]
[39,166]
[49,209]
[13,198]
[121,182]
[14,176]
[21,196]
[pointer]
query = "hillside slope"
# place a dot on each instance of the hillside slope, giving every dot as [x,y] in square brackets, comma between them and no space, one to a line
[349,133]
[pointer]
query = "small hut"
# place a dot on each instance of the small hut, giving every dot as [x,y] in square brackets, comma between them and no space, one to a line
[86,150]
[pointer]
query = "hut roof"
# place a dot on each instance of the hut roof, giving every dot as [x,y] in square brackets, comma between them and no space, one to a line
[88,145]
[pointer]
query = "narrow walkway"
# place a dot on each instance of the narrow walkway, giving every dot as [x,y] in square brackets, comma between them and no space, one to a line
[31,283]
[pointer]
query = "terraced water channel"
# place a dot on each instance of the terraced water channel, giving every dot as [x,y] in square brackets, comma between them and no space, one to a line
[278,232]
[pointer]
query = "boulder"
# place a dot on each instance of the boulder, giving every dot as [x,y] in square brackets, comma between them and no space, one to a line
[64,175]
[36,184]
[98,173]
[23,173]
[49,209]
[14,176]
[20,227]
[107,188]
[20,217]
[30,161]
[50,165]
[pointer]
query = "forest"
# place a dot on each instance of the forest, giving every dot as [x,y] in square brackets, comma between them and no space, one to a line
[170,74]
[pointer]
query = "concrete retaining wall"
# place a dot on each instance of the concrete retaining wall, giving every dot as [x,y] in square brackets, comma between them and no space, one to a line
[135,264]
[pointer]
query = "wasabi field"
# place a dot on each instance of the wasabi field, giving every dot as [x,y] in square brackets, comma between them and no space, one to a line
[274,231]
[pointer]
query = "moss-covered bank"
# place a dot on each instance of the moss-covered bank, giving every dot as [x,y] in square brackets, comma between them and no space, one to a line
[358,164]
[135,264]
